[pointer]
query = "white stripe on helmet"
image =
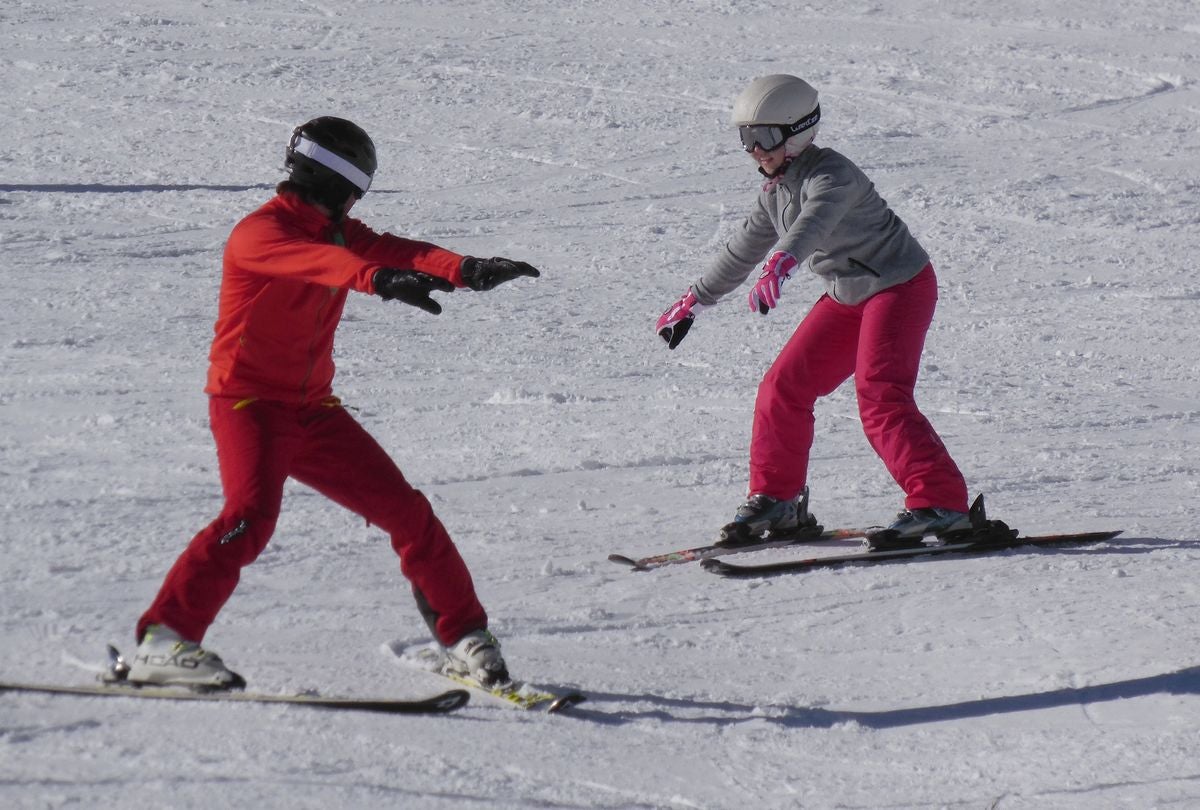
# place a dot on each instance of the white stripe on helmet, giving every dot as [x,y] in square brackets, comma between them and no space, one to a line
[314,151]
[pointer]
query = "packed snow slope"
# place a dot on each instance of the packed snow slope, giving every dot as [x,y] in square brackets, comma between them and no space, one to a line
[1047,156]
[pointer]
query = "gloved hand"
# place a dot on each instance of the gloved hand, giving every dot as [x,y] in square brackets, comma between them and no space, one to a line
[410,286]
[767,289]
[484,274]
[673,325]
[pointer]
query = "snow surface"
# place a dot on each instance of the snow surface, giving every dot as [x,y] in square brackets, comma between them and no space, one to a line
[1047,155]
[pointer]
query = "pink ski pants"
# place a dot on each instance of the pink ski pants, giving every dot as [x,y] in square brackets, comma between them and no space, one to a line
[879,343]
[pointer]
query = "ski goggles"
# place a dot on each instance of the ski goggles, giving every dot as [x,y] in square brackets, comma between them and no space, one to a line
[770,137]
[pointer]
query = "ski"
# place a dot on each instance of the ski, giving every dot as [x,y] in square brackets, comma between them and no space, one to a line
[965,546]
[721,549]
[516,694]
[438,704]
[114,683]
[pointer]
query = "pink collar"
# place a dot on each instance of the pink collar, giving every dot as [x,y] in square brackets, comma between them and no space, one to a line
[774,178]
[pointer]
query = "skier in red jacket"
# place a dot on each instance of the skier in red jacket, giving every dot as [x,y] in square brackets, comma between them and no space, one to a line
[287,270]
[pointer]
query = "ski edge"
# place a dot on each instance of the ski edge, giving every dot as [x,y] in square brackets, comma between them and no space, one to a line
[798,566]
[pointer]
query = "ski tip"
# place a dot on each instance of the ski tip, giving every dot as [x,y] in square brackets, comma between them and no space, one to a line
[1100,537]
[716,566]
[451,700]
[621,559]
[1077,538]
[565,702]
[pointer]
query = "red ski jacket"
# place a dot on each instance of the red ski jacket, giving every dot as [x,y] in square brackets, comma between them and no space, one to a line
[283,287]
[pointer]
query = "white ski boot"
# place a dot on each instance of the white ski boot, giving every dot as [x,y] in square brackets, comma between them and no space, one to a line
[164,658]
[477,656]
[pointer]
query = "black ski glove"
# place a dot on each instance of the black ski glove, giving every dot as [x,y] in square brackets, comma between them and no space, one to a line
[410,286]
[484,274]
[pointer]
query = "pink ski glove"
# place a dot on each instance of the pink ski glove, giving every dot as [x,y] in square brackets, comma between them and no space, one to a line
[778,269]
[673,325]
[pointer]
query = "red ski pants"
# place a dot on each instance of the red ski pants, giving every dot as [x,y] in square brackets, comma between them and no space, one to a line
[879,342]
[261,444]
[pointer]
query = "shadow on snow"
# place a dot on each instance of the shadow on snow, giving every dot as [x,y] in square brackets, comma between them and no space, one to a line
[101,188]
[1183,682]
[133,188]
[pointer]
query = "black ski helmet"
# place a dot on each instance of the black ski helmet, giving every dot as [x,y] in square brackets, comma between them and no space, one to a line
[332,158]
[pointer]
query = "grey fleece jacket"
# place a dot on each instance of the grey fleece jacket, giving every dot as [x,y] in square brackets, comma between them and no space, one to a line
[826,213]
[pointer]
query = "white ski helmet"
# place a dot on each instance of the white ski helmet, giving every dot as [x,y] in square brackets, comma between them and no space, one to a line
[776,109]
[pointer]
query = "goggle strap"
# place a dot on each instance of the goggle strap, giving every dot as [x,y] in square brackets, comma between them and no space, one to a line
[805,123]
[314,151]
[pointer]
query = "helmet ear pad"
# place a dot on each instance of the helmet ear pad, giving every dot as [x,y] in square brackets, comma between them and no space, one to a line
[798,143]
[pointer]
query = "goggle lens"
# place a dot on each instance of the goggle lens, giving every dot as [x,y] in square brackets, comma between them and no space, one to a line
[767,137]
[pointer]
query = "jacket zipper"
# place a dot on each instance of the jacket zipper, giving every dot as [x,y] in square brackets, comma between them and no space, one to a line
[339,240]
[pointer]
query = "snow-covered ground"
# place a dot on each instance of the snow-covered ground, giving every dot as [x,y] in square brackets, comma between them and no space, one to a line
[1048,156]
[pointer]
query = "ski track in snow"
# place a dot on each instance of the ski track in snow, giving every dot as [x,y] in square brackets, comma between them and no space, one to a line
[1047,158]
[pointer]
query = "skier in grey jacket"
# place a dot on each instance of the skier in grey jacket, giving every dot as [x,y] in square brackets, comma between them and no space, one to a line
[818,211]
